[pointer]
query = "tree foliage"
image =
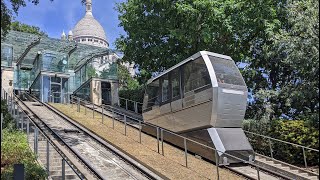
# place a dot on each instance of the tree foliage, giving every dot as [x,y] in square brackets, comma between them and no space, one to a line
[17,26]
[7,13]
[277,40]
[290,131]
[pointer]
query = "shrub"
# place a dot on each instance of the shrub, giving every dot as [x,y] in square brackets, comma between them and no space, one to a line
[15,150]
[294,131]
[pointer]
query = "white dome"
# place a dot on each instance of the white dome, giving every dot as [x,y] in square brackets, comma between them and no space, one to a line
[88,26]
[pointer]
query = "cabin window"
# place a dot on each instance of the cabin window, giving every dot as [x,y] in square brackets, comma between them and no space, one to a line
[196,75]
[175,83]
[153,94]
[165,88]
[226,71]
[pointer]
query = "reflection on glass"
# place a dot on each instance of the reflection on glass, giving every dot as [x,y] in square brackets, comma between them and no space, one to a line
[153,94]
[165,88]
[196,75]
[226,71]
[175,76]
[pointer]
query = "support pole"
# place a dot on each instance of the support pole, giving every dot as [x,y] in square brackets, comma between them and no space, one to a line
[48,159]
[125,125]
[185,151]
[63,170]
[102,113]
[304,158]
[140,127]
[217,163]
[161,132]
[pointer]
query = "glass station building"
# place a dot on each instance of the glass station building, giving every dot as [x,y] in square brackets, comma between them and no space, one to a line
[52,69]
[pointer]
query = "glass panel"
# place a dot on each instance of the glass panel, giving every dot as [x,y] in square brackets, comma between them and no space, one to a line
[6,55]
[46,88]
[35,88]
[165,88]
[196,75]
[175,82]
[226,71]
[153,94]
[84,92]
[56,79]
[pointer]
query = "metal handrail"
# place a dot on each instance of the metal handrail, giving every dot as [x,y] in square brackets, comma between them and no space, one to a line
[268,137]
[45,136]
[161,129]
[131,100]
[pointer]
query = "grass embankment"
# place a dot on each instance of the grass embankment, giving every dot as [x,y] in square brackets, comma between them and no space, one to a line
[15,150]
[171,165]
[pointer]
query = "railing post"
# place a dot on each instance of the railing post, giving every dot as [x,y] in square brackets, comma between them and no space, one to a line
[48,159]
[125,125]
[140,127]
[28,131]
[126,104]
[102,113]
[21,120]
[185,151]
[161,132]
[1,125]
[270,146]
[304,157]
[93,111]
[36,140]
[158,144]
[217,163]
[78,99]
[85,108]
[112,118]
[63,170]
[135,107]
[258,171]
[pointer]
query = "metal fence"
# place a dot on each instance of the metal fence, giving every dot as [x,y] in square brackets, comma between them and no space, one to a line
[130,105]
[271,141]
[125,120]
[38,140]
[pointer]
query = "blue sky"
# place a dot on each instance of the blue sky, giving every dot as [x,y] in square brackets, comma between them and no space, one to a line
[53,17]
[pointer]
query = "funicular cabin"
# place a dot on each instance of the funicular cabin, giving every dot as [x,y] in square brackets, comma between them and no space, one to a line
[203,98]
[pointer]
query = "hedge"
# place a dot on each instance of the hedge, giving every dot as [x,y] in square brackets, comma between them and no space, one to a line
[294,131]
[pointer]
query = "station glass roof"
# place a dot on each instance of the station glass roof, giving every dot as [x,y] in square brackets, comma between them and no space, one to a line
[27,45]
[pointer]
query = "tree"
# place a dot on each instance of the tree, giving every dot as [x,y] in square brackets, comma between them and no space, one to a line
[7,15]
[125,79]
[91,71]
[263,34]
[17,26]
[289,63]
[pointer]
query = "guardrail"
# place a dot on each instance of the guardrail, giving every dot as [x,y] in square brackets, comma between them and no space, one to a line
[26,124]
[159,135]
[270,139]
[130,105]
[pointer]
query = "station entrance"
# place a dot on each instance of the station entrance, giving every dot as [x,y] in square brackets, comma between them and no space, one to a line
[51,87]
[106,92]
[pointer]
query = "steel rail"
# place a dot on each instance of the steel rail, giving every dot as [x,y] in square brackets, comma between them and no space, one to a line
[85,162]
[94,136]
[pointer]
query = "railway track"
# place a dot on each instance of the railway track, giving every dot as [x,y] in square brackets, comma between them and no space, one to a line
[101,160]
[278,170]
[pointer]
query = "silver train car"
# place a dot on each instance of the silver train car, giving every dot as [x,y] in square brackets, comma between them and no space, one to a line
[203,98]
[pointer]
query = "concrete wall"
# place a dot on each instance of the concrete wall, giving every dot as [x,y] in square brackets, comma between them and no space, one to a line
[7,79]
[114,93]
[96,97]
